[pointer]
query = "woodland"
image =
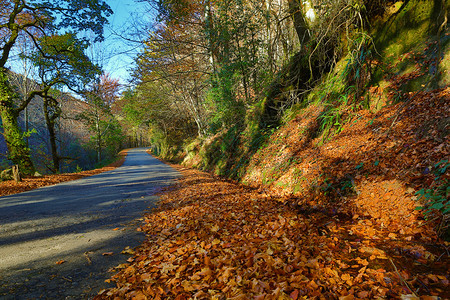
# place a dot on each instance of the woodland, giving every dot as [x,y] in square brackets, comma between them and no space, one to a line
[312,136]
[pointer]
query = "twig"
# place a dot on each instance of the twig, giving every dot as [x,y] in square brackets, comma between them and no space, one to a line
[423,284]
[440,256]
[401,278]
[87,257]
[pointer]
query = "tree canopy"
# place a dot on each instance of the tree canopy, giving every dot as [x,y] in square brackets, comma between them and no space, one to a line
[48,26]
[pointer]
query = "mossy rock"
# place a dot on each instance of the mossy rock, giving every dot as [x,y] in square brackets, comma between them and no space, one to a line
[410,27]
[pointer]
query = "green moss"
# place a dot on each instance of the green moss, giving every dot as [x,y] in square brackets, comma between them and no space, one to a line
[444,65]
[405,29]
[408,41]
[19,153]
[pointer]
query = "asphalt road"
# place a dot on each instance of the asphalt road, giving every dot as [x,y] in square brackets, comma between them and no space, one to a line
[76,222]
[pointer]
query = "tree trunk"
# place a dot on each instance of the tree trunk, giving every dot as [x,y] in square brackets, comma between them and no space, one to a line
[16,173]
[50,121]
[19,153]
[99,139]
[301,27]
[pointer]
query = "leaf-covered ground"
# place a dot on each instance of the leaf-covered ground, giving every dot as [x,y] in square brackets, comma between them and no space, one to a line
[10,187]
[351,234]
[211,239]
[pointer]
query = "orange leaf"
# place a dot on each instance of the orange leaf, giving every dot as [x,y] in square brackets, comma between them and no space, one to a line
[363,294]
[294,295]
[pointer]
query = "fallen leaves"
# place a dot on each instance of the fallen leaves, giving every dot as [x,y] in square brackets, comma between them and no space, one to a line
[349,231]
[209,240]
[128,250]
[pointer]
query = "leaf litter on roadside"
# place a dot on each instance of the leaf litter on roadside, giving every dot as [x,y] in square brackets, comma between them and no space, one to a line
[213,239]
[210,239]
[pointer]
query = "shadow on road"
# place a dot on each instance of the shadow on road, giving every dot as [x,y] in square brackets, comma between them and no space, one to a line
[75,222]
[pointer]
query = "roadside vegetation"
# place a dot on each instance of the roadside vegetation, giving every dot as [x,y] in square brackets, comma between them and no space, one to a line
[318,101]
[10,187]
[323,127]
[335,119]
[58,111]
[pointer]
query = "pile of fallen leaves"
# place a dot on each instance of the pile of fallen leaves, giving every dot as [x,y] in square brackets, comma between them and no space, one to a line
[375,165]
[212,239]
[10,187]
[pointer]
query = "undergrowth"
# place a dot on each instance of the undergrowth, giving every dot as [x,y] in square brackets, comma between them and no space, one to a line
[436,204]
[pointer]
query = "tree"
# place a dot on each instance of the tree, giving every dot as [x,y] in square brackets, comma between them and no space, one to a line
[99,118]
[218,56]
[61,61]
[175,55]
[133,116]
[218,59]
[21,80]
[34,20]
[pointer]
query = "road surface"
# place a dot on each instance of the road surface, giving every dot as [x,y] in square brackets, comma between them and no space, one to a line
[76,222]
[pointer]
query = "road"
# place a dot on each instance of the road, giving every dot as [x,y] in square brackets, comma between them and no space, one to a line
[76,222]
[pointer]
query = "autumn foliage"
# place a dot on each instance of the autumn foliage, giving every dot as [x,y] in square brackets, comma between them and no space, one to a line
[214,239]
[211,239]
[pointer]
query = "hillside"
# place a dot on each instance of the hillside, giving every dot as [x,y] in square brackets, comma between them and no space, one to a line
[72,134]
[340,194]
[367,145]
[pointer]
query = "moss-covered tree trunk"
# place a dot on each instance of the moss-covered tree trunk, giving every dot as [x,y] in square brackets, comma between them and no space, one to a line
[301,27]
[18,152]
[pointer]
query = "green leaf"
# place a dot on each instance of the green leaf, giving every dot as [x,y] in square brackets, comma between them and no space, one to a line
[360,166]
[440,163]
[420,192]
[438,206]
[376,163]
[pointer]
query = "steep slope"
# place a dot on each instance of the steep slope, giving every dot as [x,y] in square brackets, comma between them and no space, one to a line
[332,184]
[370,139]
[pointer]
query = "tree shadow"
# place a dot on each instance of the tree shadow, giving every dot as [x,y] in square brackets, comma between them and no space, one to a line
[76,222]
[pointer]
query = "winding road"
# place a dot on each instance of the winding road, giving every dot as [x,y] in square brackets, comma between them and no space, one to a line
[76,223]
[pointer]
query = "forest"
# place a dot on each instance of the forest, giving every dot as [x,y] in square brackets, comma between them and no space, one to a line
[57,112]
[332,109]
[212,79]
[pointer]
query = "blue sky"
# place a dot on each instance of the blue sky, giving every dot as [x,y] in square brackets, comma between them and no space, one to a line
[115,54]
[127,18]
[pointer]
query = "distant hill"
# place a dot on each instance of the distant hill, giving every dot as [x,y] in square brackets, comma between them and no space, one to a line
[73,135]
